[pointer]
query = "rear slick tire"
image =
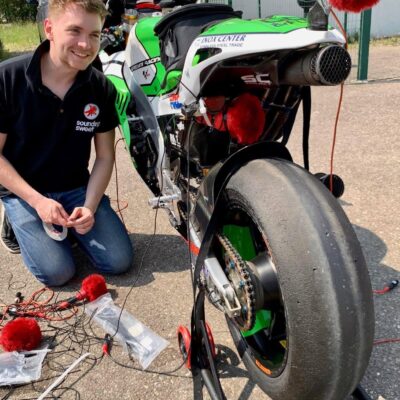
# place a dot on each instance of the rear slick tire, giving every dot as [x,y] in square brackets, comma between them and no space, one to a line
[325,291]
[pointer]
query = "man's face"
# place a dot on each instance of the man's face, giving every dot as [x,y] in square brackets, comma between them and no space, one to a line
[74,36]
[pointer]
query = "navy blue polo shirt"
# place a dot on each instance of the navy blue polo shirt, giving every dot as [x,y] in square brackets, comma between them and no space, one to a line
[49,139]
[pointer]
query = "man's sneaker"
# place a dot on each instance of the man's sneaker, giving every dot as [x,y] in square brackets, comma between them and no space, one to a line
[7,236]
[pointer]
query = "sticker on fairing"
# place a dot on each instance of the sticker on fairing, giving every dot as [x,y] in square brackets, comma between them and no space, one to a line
[221,41]
[257,79]
[174,102]
[145,63]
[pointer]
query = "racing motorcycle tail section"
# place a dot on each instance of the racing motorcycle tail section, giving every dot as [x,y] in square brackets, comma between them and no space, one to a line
[215,98]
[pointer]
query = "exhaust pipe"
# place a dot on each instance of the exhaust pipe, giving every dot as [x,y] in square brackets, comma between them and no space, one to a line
[330,66]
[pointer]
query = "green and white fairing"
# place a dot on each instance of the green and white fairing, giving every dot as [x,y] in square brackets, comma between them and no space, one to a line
[112,68]
[143,60]
[235,38]
[231,38]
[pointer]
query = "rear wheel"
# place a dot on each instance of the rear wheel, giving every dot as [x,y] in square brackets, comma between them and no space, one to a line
[314,322]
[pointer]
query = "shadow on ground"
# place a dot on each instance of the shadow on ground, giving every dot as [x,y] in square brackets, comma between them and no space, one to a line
[381,377]
[152,254]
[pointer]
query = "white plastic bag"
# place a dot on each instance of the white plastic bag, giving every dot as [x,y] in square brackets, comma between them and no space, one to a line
[17,368]
[137,339]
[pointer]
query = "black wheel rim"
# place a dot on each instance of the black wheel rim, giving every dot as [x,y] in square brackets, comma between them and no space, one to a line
[268,347]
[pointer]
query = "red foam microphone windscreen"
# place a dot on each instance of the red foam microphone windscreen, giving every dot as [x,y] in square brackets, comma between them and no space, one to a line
[353,5]
[245,118]
[93,286]
[20,334]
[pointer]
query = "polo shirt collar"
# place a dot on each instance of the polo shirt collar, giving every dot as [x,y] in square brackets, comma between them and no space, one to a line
[34,75]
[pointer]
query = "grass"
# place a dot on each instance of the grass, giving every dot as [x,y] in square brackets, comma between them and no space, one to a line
[18,38]
[386,41]
[389,41]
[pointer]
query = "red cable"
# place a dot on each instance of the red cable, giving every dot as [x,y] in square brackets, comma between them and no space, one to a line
[383,341]
[119,210]
[382,291]
[37,309]
[339,106]
[390,286]
[339,24]
[334,137]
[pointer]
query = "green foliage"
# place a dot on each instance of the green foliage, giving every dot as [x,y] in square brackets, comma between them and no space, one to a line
[16,10]
[353,38]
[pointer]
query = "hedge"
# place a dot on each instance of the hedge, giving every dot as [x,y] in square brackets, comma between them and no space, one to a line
[16,10]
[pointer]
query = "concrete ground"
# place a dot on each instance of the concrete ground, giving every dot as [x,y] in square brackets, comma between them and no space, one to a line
[367,157]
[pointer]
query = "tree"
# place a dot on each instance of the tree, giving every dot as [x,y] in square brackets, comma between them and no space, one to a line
[16,10]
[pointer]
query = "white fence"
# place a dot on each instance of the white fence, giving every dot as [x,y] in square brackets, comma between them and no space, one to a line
[386,19]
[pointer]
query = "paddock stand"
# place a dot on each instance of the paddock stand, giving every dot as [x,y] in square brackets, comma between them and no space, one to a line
[200,352]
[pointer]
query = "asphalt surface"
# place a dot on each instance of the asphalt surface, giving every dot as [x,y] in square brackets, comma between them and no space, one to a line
[367,157]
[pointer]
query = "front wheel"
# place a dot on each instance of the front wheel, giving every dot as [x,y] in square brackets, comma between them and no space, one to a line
[312,331]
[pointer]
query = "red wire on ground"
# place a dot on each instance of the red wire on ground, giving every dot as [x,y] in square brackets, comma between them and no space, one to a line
[119,210]
[119,202]
[384,341]
[37,309]
[334,137]
[339,106]
[394,283]
[382,291]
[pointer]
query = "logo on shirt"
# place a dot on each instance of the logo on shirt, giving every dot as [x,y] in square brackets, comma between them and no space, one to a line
[91,111]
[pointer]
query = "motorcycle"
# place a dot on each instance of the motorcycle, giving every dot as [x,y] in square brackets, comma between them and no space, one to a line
[207,102]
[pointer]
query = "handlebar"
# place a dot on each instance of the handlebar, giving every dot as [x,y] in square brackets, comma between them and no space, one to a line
[104,42]
[112,36]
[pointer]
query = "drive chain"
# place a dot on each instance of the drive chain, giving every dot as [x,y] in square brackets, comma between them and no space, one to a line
[244,288]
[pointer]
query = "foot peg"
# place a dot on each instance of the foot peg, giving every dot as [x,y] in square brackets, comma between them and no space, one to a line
[337,183]
[162,201]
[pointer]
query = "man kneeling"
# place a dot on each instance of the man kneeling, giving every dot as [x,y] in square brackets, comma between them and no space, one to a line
[52,104]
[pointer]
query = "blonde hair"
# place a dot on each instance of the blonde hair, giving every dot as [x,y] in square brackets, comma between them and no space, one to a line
[90,6]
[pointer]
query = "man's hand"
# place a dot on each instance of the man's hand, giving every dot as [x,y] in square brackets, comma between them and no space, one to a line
[82,219]
[51,212]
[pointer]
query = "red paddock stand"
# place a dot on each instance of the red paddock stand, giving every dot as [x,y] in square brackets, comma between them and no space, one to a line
[198,351]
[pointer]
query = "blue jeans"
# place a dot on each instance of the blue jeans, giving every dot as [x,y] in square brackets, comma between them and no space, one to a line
[107,244]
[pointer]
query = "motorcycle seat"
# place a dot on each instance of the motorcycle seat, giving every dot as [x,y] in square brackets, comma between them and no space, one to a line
[177,30]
